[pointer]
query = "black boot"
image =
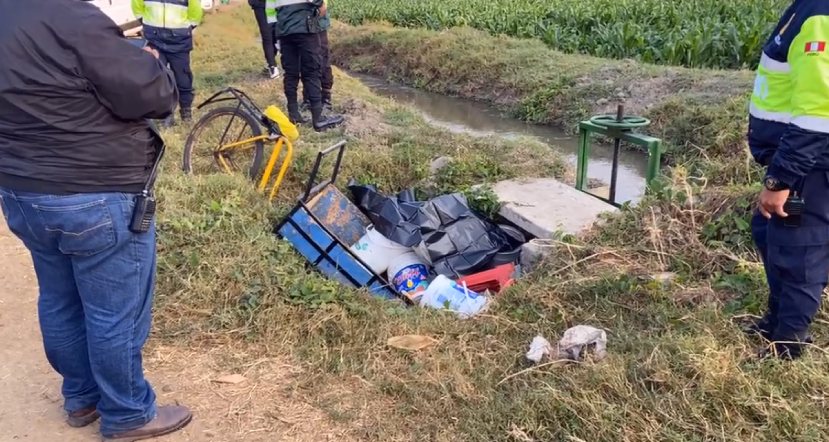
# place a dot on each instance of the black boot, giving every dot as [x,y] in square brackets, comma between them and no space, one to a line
[321,122]
[294,115]
[786,348]
[186,114]
[759,327]
[326,101]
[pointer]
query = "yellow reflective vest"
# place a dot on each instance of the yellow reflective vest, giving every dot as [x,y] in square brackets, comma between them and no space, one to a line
[789,108]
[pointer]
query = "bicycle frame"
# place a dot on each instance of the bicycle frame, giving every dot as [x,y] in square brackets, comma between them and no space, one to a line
[244,101]
[266,174]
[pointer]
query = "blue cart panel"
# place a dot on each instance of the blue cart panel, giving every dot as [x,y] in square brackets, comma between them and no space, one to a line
[323,225]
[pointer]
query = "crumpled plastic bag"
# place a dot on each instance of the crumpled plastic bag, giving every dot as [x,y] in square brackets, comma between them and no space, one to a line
[580,336]
[570,346]
[539,347]
[456,241]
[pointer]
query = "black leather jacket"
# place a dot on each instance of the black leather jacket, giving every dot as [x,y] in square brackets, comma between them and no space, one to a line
[74,100]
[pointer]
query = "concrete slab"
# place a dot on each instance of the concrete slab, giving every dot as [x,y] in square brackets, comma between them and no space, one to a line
[542,206]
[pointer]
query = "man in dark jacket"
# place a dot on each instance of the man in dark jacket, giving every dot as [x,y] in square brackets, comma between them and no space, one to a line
[266,31]
[168,28]
[298,29]
[75,151]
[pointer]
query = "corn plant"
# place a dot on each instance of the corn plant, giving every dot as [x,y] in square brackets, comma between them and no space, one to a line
[694,33]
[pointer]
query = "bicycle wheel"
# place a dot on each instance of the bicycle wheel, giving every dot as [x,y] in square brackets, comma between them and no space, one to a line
[219,127]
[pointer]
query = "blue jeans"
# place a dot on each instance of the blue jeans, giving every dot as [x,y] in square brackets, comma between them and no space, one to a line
[96,284]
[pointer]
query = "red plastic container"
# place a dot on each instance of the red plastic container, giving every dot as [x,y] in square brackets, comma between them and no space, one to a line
[494,280]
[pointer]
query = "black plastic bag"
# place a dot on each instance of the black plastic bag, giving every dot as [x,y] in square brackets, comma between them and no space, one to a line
[391,216]
[458,241]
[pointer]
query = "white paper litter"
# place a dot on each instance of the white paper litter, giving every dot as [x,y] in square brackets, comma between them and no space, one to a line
[539,347]
[571,344]
[576,338]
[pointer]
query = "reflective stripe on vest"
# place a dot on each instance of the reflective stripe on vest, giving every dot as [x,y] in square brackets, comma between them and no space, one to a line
[771,97]
[281,3]
[778,117]
[167,14]
[815,124]
[271,6]
[270,10]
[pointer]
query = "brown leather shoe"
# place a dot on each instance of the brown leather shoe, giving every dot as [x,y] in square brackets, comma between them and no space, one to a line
[168,419]
[83,417]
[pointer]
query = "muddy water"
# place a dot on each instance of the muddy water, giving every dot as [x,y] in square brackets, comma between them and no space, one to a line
[478,119]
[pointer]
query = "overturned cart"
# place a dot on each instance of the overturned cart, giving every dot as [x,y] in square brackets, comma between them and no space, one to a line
[323,224]
[437,252]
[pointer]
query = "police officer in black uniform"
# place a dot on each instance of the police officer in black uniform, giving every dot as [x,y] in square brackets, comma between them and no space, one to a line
[789,134]
[298,29]
[327,80]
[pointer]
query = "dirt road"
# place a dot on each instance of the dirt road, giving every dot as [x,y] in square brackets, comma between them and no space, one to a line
[262,408]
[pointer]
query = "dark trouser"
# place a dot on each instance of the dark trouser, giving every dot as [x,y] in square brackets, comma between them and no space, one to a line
[302,59]
[327,74]
[327,80]
[797,261]
[179,63]
[96,281]
[266,30]
[759,225]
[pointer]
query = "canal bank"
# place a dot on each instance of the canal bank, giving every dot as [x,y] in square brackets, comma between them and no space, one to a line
[480,119]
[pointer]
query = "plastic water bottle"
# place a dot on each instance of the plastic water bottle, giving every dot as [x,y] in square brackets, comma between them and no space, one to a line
[445,293]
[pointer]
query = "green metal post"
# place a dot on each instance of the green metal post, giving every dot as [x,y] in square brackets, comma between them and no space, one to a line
[587,128]
[654,159]
[581,158]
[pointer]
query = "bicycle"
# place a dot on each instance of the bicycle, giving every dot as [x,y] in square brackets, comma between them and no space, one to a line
[278,129]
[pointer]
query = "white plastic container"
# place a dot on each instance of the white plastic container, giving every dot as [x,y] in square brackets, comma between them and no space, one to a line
[445,293]
[409,275]
[376,250]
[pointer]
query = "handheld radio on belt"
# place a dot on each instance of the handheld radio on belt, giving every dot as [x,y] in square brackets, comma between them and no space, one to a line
[794,205]
[794,209]
[144,210]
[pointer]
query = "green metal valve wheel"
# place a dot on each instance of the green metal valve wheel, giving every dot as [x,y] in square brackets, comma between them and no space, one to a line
[628,122]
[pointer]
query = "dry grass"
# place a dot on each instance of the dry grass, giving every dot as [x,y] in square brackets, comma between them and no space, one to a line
[267,405]
[675,369]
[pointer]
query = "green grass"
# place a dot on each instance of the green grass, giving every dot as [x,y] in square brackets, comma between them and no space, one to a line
[691,33]
[212,226]
[674,371]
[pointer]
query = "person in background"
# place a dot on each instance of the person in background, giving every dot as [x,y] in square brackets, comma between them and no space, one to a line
[168,28]
[789,135]
[298,28]
[266,31]
[76,149]
[327,80]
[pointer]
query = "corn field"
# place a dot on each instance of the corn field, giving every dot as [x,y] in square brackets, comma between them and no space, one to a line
[694,33]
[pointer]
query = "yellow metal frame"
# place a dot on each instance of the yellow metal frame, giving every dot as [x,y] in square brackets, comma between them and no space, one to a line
[266,175]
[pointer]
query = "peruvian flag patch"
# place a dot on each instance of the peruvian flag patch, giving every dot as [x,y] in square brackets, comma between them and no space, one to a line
[815,46]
